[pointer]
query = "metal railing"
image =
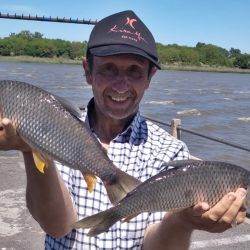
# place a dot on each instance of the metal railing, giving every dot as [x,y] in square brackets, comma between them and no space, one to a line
[48,19]
[176,132]
[176,129]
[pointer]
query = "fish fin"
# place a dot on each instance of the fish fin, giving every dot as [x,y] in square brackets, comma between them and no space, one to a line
[130,217]
[98,223]
[178,164]
[40,161]
[123,184]
[90,180]
[70,107]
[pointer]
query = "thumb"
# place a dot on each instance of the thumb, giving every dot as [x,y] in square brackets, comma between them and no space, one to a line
[8,126]
[200,208]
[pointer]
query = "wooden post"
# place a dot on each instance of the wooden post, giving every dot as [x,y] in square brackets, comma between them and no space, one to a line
[176,132]
[175,128]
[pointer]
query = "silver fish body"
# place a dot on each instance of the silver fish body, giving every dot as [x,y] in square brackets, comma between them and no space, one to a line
[48,127]
[191,182]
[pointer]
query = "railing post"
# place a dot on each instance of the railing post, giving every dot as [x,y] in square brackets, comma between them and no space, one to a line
[175,128]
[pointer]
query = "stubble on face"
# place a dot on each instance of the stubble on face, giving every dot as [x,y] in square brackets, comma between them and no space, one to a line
[118,84]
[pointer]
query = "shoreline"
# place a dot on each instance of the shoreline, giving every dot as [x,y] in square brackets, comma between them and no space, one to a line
[177,67]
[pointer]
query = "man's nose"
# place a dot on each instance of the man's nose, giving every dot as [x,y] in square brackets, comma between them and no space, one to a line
[121,83]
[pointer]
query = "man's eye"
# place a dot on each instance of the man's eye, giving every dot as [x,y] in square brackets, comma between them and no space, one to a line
[135,72]
[108,70]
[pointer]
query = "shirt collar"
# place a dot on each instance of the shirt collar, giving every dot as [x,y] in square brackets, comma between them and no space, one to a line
[131,134]
[86,111]
[137,125]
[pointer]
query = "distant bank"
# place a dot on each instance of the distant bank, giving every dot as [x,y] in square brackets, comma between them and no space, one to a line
[174,66]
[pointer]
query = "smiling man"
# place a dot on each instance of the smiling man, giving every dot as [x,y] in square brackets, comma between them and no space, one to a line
[121,60]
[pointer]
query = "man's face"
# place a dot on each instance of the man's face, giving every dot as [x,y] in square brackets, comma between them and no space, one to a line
[118,84]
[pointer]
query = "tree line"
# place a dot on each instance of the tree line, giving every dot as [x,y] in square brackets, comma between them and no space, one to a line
[26,43]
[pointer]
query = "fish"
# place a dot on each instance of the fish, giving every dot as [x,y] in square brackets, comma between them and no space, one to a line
[187,183]
[51,126]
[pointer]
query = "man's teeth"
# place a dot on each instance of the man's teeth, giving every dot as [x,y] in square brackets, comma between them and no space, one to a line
[119,99]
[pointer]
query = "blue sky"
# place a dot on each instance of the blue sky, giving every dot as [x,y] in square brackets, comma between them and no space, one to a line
[225,23]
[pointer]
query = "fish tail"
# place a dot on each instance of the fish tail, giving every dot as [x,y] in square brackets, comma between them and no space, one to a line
[123,184]
[98,223]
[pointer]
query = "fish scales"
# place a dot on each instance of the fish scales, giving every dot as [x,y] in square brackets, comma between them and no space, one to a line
[190,183]
[31,120]
[48,127]
[185,188]
[202,183]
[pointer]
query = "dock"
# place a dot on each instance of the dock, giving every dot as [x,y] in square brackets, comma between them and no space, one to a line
[19,231]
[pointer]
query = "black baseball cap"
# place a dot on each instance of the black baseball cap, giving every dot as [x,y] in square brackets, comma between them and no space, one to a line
[122,33]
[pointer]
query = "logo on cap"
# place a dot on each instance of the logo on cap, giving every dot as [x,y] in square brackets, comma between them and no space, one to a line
[130,22]
[129,34]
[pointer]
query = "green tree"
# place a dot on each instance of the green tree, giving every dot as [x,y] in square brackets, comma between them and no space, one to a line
[38,35]
[242,61]
[189,56]
[5,47]
[34,44]
[212,55]
[25,34]
[234,52]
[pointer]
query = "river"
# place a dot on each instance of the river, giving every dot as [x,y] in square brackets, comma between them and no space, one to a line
[214,104]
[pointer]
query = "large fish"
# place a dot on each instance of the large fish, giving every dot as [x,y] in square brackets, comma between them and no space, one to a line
[190,182]
[53,130]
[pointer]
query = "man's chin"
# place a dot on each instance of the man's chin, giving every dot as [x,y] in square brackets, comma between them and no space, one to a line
[120,115]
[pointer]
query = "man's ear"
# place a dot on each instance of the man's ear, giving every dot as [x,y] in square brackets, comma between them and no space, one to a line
[87,71]
[152,72]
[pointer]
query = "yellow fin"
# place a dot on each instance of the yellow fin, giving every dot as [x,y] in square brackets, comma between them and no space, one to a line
[39,161]
[90,180]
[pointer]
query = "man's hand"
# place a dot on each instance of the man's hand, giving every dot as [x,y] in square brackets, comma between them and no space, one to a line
[229,211]
[9,139]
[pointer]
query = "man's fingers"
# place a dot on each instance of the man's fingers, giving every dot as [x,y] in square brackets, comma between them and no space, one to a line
[216,212]
[5,121]
[7,126]
[241,216]
[236,209]
[9,139]
[200,208]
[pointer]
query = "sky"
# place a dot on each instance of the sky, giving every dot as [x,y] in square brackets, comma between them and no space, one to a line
[225,23]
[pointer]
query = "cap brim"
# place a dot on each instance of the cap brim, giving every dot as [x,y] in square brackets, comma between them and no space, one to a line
[116,49]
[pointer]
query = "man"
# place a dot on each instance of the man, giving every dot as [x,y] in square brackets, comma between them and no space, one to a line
[121,60]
